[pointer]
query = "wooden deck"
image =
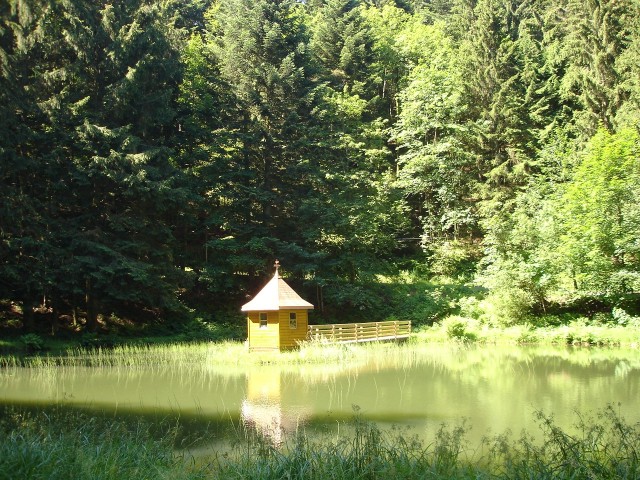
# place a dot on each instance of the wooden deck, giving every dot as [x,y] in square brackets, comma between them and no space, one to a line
[360,332]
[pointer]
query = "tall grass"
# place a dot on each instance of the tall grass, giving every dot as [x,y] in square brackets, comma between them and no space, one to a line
[132,355]
[235,357]
[202,354]
[75,446]
[604,447]
[59,446]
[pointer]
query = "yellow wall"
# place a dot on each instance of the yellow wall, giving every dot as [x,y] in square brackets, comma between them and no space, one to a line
[289,337]
[263,338]
[278,334]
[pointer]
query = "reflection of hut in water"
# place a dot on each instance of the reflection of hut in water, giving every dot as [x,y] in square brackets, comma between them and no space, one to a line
[276,317]
[263,407]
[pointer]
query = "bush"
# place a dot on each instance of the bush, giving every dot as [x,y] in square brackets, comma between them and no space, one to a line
[457,329]
[199,330]
[470,307]
[621,317]
[526,335]
[455,259]
[356,300]
[32,343]
[507,307]
[420,305]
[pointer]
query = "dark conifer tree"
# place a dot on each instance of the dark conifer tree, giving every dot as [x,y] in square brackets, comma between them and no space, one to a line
[96,83]
[262,50]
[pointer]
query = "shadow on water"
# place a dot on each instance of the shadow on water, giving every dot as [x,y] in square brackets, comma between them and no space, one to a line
[187,431]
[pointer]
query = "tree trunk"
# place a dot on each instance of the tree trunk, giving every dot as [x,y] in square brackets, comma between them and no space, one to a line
[27,314]
[55,314]
[92,313]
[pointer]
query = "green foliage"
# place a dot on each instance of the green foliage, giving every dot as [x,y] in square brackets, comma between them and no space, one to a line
[598,34]
[601,218]
[621,317]
[398,297]
[95,87]
[32,343]
[575,237]
[157,157]
[564,330]
[456,328]
[424,303]
[342,44]
[454,259]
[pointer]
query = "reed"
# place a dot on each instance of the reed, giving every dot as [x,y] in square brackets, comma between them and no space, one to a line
[77,446]
[424,346]
[203,355]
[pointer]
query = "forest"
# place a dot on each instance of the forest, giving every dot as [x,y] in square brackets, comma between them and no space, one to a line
[407,159]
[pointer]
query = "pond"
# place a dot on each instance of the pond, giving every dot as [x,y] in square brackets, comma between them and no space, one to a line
[492,388]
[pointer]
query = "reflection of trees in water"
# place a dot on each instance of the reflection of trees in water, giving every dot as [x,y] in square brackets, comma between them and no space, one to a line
[478,363]
[495,386]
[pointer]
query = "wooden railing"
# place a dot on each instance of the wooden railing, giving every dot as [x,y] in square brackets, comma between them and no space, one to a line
[360,332]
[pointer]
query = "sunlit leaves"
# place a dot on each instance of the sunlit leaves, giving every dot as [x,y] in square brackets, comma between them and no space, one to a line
[601,213]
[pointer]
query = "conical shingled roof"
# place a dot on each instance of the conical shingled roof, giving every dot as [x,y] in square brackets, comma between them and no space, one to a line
[276,295]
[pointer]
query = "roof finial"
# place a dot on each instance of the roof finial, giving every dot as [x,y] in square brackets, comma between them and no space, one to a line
[277,265]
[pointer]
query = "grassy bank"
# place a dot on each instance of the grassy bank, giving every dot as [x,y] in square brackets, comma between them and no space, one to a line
[76,446]
[14,343]
[455,330]
[578,331]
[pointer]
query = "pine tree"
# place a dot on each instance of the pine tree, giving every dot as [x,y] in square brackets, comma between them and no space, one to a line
[95,83]
[496,92]
[262,50]
[598,34]
[212,145]
[342,43]
[30,172]
[628,66]
[121,126]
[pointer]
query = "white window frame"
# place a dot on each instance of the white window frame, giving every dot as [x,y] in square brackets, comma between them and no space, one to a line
[263,320]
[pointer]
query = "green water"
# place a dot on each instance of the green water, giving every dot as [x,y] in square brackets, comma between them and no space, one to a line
[493,388]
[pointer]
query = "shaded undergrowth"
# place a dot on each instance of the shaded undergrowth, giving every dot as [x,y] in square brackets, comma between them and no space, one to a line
[57,445]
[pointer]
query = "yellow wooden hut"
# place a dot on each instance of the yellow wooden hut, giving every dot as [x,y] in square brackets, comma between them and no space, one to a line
[276,317]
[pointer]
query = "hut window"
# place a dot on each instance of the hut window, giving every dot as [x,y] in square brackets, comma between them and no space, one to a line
[293,320]
[263,320]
